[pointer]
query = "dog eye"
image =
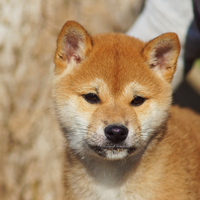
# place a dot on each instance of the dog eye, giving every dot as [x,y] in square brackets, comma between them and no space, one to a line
[137,101]
[91,98]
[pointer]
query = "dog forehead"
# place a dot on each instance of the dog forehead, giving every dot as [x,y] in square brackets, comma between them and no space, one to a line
[116,51]
[116,60]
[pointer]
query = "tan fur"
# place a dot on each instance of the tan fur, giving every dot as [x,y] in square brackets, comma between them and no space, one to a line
[165,162]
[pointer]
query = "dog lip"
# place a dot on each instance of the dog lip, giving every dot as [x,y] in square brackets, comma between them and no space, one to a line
[101,150]
[112,148]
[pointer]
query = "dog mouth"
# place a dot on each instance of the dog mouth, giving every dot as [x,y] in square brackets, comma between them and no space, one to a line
[115,151]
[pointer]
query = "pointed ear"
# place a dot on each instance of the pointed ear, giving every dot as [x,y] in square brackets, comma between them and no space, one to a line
[161,54]
[73,46]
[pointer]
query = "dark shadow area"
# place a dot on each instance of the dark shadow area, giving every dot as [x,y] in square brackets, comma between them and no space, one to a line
[185,96]
[192,47]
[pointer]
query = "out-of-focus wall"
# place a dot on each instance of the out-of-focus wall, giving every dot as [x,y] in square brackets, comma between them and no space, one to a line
[30,141]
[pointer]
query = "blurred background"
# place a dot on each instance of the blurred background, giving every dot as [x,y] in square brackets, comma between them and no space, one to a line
[30,141]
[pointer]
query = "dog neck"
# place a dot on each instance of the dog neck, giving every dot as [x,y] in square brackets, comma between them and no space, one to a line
[110,173]
[105,177]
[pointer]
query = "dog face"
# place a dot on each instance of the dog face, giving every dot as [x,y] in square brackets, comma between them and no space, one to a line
[112,92]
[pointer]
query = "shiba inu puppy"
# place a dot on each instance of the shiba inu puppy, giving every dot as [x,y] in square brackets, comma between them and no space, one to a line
[124,141]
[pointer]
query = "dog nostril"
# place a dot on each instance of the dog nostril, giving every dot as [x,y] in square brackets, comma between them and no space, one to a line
[116,133]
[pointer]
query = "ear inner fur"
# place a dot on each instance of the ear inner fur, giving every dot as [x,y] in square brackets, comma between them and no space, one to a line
[161,54]
[73,45]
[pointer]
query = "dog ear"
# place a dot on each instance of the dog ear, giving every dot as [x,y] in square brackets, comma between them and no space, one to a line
[161,54]
[73,46]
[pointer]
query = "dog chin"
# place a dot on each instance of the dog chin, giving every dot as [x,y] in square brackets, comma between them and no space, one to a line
[113,153]
[116,155]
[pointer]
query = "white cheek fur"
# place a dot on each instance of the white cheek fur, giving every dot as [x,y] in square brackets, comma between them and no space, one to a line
[76,125]
[152,120]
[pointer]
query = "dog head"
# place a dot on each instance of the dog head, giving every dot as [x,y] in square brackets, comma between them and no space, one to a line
[112,92]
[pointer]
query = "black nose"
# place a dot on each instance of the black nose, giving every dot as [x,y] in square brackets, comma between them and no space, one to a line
[116,133]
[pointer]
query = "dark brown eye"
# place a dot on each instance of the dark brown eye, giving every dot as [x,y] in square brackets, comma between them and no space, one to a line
[137,101]
[91,98]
